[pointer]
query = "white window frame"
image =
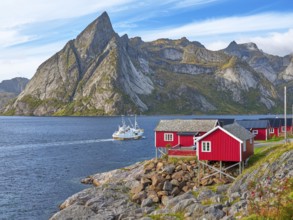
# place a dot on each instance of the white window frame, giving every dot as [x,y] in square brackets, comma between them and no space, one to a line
[255,132]
[283,129]
[272,130]
[168,137]
[206,146]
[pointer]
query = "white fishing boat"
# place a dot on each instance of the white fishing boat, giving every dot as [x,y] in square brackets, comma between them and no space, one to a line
[128,132]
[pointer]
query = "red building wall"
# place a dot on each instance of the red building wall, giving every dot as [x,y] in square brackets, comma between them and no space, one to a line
[262,134]
[159,139]
[183,140]
[276,133]
[186,140]
[223,147]
[249,149]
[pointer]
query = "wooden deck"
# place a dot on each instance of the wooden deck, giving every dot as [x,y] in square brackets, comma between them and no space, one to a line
[182,152]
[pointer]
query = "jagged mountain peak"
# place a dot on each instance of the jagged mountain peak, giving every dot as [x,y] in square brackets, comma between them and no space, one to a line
[93,39]
[234,47]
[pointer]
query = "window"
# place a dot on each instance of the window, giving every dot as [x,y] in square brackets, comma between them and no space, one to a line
[254,131]
[271,130]
[168,137]
[283,129]
[250,141]
[244,146]
[206,146]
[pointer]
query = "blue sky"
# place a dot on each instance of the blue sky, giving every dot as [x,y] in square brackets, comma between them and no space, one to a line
[33,30]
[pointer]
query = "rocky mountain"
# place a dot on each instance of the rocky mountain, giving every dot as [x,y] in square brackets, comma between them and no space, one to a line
[9,89]
[101,73]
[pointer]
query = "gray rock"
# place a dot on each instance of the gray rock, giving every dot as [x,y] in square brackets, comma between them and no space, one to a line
[215,212]
[177,199]
[206,194]
[167,186]
[183,204]
[169,169]
[146,202]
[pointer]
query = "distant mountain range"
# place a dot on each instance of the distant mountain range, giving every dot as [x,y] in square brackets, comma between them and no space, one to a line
[101,73]
[9,89]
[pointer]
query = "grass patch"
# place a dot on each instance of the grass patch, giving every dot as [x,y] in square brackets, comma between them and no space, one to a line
[207,202]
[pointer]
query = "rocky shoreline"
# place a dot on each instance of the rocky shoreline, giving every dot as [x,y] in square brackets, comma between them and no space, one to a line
[158,189]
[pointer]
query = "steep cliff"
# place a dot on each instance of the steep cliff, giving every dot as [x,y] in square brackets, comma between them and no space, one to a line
[101,73]
[9,89]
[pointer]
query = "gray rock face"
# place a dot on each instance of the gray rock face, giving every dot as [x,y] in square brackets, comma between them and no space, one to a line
[9,89]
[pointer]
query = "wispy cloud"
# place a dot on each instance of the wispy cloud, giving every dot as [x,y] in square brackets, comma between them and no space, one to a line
[17,15]
[274,43]
[24,62]
[190,3]
[277,43]
[223,26]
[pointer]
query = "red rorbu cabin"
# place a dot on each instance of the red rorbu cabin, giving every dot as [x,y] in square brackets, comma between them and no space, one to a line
[179,136]
[232,143]
[260,128]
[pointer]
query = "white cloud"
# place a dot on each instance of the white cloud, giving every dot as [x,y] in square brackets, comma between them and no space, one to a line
[274,43]
[16,12]
[229,25]
[190,3]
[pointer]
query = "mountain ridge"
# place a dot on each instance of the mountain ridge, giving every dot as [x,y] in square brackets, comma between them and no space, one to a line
[101,73]
[9,89]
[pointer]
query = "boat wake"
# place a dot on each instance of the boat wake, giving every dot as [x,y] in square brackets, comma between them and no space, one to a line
[53,144]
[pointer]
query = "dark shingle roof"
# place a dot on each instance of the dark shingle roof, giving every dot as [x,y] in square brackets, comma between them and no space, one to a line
[238,131]
[248,124]
[274,122]
[289,121]
[186,125]
[277,122]
[226,121]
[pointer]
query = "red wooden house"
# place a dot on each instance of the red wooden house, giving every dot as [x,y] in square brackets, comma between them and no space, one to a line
[277,126]
[232,143]
[289,125]
[260,128]
[180,135]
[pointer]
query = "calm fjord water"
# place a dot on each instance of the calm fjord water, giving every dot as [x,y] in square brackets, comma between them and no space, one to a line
[42,159]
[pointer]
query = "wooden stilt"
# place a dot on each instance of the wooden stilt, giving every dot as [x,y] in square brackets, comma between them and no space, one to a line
[220,170]
[156,153]
[239,168]
[198,173]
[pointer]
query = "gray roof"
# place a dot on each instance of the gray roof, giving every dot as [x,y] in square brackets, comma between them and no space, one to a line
[194,125]
[238,131]
[248,124]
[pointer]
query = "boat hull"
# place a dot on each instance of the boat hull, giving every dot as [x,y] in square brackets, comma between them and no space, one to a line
[126,138]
